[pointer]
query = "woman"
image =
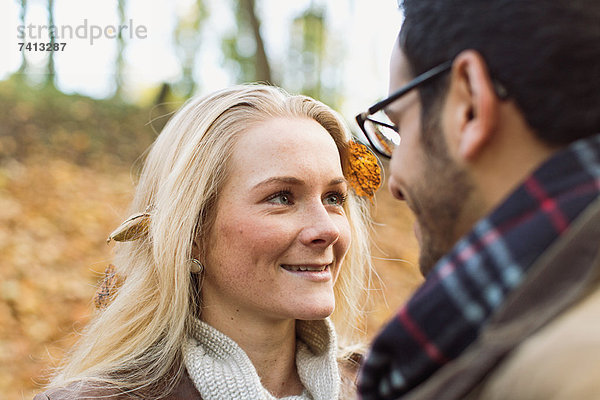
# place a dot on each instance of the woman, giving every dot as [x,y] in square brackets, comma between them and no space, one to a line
[250,237]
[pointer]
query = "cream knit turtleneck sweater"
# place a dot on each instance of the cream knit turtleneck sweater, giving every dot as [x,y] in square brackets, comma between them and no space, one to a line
[221,370]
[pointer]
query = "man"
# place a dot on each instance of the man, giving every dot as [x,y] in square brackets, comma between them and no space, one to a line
[497,103]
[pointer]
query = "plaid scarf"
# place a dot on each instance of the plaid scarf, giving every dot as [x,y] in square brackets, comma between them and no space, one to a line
[471,282]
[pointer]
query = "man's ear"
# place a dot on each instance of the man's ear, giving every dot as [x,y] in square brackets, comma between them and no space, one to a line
[475,104]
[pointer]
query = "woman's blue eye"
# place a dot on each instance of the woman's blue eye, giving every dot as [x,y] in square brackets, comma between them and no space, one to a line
[283,198]
[335,199]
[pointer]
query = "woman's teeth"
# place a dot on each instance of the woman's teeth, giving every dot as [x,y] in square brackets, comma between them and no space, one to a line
[296,268]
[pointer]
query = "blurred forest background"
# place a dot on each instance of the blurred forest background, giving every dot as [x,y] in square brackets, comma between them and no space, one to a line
[68,167]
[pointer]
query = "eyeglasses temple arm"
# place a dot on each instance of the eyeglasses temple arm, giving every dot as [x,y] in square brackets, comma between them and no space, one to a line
[424,77]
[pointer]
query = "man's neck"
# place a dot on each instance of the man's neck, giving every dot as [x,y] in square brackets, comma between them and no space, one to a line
[513,154]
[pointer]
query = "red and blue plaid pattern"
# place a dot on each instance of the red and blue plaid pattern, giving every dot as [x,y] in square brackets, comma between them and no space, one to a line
[471,282]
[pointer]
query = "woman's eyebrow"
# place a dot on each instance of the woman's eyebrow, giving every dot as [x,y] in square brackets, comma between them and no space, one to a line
[290,180]
[338,181]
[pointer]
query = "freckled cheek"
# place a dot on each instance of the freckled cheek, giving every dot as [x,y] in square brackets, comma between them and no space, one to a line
[240,252]
[256,237]
[342,246]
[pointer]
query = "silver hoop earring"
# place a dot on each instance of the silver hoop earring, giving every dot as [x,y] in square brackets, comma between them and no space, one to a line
[196,267]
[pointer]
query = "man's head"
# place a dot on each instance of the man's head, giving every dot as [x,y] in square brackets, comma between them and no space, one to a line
[546,53]
[525,81]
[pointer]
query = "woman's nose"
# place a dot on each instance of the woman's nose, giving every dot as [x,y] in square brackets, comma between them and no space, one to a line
[319,228]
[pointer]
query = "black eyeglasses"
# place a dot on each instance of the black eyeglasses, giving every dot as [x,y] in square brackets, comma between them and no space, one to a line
[381,133]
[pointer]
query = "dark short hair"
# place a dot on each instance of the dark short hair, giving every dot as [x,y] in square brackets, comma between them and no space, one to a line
[546,53]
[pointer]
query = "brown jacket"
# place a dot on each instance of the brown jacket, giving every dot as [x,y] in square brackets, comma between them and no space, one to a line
[544,343]
[185,389]
[82,391]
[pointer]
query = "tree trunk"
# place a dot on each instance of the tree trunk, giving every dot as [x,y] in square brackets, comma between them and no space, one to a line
[120,62]
[50,72]
[263,69]
[23,67]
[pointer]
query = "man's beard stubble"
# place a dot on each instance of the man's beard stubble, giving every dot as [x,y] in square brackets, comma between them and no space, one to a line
[440,199]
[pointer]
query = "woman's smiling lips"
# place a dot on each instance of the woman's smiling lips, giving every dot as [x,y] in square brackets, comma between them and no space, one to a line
[313,272]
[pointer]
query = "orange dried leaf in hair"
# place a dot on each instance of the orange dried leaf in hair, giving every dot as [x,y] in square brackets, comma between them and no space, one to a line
[108,287]
[132,228]
[365,173]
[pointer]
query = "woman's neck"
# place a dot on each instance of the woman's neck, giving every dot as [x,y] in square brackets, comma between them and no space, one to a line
[270,345]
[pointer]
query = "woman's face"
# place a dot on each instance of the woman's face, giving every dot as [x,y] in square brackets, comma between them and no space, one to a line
[280,233]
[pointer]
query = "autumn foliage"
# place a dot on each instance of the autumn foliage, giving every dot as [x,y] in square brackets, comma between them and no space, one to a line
[365,173]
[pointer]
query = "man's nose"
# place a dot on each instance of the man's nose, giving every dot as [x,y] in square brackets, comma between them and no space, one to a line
[394,188]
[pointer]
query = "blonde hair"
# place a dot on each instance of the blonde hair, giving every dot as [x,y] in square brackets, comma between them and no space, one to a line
[136,342]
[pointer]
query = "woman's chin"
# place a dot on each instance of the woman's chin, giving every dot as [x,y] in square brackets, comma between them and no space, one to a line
[313,311]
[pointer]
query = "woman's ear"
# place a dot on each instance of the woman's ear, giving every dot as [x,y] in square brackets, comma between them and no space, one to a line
[196,248]
[475,105]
